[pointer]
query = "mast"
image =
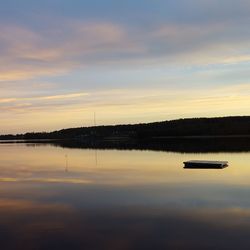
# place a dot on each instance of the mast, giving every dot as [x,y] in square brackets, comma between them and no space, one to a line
[94,119]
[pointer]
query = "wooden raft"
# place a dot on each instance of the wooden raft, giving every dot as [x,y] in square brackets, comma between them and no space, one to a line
[205,164]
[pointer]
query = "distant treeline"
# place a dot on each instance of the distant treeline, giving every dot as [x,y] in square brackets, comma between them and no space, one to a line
[224,126]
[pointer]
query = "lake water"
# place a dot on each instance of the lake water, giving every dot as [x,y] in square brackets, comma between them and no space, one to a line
[61,198]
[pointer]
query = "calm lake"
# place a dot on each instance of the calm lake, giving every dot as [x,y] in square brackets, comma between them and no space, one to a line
[67,198]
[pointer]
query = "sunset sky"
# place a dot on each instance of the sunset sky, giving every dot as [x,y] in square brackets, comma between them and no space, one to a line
[127,61]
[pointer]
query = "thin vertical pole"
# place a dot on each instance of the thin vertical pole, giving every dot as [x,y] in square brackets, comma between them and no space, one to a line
[94,119]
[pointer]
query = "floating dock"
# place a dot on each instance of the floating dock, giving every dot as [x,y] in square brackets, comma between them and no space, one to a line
[205,164]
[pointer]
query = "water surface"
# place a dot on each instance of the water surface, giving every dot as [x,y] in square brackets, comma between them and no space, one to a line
[61,198]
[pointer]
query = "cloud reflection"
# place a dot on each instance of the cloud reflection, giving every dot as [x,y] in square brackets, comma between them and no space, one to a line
[46,225]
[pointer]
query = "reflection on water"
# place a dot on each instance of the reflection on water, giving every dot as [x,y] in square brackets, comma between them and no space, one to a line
[175,144]
[64,198]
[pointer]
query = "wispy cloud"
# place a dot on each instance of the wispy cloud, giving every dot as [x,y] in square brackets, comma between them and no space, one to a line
[27,53]
[193,44]
[44,98]
[124,106]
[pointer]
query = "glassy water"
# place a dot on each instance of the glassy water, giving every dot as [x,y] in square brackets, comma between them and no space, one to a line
[61,198]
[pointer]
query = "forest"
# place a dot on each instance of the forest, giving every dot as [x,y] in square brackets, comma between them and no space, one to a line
[190,127]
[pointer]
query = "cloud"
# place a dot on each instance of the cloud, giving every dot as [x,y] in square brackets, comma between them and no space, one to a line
[122,106]
[193,44]
[27,53]
[44,98]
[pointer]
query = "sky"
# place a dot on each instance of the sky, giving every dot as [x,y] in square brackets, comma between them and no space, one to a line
[133,61]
